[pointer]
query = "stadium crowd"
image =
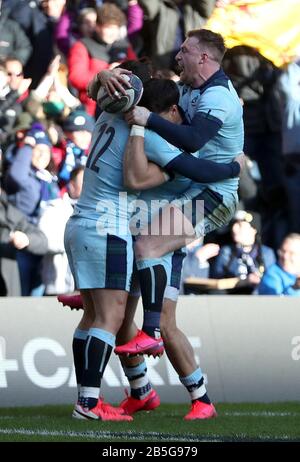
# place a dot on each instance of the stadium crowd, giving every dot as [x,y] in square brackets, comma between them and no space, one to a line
[49,51]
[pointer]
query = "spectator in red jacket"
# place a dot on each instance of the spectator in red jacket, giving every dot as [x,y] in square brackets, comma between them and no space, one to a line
[90,55]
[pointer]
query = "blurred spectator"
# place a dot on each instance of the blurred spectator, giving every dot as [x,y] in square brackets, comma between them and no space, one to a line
[75,184]
[14,69]
[87,19]
[245,258]
[29,185]
[78,128]
[289,87]
[56,274]
[38,19]
[255,78]
[196,263]
[283,278]
[67,28]
[73,26]
[51,102]
[166,23]
[17,82]
[10,103]
[17,235]
[14,41]
[16,139]
[135,22]
[53,8]
[248,186]
[6,101]
[90,55]
[27,182]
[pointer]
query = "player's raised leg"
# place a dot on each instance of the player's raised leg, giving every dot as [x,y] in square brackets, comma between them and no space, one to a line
[153,291]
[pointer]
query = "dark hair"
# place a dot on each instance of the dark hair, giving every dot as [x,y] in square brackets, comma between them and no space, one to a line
[159,95]
[141,68]
[75,5]
[83,13]
[164,73]
[213,41]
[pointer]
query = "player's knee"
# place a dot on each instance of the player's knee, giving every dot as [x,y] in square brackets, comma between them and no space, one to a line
[168,333]
[168,327]
[112,318]
[119,312]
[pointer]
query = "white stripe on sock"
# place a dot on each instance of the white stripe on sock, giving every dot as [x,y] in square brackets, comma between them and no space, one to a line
[195,394]
[152,284]
[103,357]
[86,353]
[138,383]
[89,392]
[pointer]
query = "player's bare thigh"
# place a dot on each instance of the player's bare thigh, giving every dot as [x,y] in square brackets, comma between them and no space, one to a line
[168,231]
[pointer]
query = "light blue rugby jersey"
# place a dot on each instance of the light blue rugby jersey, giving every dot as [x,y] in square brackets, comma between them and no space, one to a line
[159,151]
[104,197]
[217,99]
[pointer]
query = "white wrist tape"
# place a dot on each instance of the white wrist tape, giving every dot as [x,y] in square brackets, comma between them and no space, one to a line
[137,130]
[166,176]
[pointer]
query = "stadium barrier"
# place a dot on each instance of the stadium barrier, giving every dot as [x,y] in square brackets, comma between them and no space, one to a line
[248,348]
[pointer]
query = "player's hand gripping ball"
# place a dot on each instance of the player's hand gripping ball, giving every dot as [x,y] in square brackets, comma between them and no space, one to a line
[124,102]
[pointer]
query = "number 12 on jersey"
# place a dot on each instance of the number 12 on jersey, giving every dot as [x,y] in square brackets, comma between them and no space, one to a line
[106,135]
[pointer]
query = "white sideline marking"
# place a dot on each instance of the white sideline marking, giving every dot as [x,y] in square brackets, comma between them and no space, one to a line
[107,434]
[140,436]
[260,414]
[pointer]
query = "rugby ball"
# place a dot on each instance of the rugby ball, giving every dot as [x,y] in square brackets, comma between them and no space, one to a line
[125,102]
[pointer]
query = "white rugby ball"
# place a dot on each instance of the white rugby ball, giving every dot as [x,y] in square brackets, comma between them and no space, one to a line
[125,102]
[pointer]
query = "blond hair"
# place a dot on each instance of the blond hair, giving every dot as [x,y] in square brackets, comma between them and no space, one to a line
[212,41]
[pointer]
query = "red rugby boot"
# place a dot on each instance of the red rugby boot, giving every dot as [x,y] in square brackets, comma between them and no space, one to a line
[141,344]
[131,405]
[74,301]
[200,410]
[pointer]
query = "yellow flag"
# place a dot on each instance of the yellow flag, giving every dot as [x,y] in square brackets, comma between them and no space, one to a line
[270,26]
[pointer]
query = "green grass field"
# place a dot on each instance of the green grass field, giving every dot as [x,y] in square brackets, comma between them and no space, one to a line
[235,422]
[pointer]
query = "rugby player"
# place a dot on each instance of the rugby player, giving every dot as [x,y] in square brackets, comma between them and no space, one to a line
[136,165]
[215,130]
[99,247]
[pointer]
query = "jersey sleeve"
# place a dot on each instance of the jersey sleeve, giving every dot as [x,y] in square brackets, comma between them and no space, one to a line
[213,107]
[215,104]
[158,150]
